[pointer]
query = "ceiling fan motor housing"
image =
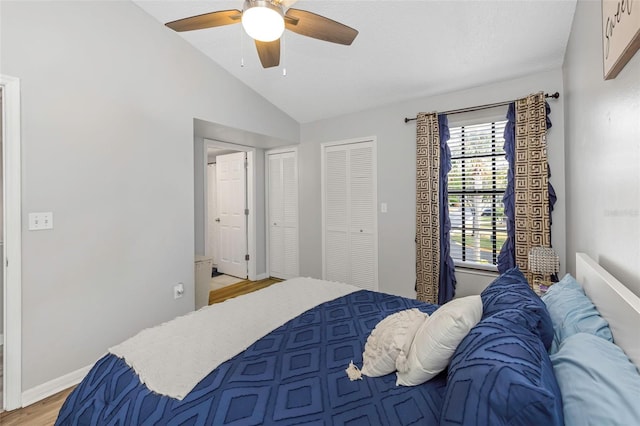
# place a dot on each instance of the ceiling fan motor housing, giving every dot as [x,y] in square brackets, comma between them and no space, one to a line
[263,20]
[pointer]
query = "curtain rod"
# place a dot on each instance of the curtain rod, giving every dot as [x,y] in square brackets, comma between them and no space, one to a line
[480,107]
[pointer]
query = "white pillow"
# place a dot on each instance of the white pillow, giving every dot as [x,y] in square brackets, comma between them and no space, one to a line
[437,339]
[389,338]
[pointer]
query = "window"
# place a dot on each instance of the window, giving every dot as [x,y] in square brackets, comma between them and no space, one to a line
[477,182]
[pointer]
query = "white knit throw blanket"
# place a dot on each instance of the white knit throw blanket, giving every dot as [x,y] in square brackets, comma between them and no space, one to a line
[173,357]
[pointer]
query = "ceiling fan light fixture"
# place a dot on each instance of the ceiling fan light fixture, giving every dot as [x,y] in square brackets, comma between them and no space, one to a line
[262,20]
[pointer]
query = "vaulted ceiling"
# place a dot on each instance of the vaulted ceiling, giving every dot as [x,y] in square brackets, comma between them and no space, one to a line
[404,50]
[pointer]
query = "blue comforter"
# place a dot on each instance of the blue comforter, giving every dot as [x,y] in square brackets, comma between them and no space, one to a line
[293,375]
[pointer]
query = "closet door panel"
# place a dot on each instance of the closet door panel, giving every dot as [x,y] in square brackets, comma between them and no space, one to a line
[349,211]
[336,190]
[363,209]
[283,215]
[337,259]
[363,260]
[290,251]
[290,214]
[336,224]
[276,242]
[276,252]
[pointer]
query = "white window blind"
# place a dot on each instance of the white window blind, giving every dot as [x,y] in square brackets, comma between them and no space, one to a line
[477,182]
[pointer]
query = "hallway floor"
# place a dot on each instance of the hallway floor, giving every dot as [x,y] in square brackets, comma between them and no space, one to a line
[221,281]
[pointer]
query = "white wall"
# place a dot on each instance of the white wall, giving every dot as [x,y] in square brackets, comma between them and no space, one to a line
[602,153]
[396,173]
[1,220]
[109,97]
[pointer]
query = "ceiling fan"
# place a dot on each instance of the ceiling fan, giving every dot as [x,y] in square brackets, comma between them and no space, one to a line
[265,21]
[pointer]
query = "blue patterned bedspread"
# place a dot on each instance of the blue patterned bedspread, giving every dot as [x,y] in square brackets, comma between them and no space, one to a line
[293,375]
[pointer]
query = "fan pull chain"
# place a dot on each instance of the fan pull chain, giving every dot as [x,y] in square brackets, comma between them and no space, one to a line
[283,56]
[241,47]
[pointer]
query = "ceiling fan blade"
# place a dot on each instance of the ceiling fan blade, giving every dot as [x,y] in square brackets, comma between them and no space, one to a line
[316,26]
[206,20]
[269,53]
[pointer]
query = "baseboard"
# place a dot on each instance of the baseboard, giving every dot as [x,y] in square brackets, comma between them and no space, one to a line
[54,386]
[263,276]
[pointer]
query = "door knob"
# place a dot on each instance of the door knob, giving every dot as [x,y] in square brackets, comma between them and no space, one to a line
[217,219]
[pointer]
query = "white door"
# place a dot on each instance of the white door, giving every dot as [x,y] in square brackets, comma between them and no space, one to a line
[213,221]
[350,238]
[231,188]
[283,214]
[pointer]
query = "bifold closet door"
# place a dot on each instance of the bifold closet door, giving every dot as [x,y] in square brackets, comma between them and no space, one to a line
[283,214]
[349,210]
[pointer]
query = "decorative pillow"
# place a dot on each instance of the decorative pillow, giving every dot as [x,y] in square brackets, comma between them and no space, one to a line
[501,374]
[572,312]
[511,290]
[599,385]
[566,282]
[390,337]
[437,339]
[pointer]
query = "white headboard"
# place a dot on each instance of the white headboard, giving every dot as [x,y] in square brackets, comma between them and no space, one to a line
[616,303]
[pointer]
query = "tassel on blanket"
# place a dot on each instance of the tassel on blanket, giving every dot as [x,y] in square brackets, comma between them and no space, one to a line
[402,363]
[353,372]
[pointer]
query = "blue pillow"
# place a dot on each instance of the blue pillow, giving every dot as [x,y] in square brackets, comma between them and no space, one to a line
[511,291]
[573,312]
[599,385]
[567,282]
[501,374]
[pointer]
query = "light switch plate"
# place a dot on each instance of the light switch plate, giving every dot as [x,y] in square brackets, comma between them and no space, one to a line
[40,221]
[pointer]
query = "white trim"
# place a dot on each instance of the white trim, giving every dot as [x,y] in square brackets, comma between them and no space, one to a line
[263,276]
[323,145]
[282,150]
[615,303]
[471,118]
[12,378]
[205,202]
[251,218]
[487,267]
[54,386]
[275,151]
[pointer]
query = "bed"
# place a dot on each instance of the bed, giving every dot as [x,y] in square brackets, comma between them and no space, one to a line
[288,354]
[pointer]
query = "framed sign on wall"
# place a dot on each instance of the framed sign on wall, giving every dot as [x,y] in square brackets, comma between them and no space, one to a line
[620,34]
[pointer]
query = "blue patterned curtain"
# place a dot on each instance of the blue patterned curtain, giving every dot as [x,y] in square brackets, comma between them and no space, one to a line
[507,256]
[446,288]
[435,279]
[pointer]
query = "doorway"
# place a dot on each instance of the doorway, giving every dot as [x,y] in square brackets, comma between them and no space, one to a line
[227,235]
[229,231]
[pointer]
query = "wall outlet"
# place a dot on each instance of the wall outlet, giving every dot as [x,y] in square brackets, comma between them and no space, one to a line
[39,221]
[178,291]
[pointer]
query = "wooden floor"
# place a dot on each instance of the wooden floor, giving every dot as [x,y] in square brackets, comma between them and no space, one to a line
[238,289]
[45,412]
